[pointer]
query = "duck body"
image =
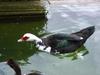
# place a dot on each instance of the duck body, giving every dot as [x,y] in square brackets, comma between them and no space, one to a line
[61,42]
[64,43]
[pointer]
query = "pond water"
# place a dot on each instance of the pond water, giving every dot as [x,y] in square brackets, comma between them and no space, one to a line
[61,18]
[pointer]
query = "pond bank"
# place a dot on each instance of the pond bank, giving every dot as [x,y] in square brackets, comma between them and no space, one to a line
[22,9]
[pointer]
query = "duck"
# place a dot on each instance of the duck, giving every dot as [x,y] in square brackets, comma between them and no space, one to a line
[59,43]
[17,69]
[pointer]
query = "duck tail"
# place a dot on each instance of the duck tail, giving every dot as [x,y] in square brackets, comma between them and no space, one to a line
[86,33]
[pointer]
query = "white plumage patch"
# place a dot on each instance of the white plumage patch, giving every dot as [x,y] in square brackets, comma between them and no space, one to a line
[81,38]
[44,48]
[48,49]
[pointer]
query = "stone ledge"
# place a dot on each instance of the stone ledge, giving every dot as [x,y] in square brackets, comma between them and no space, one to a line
[21,8]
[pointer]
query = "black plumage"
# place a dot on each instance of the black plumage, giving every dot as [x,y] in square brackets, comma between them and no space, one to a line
[64,43]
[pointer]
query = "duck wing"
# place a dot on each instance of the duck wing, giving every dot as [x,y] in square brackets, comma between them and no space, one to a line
[60,40]
[61,36]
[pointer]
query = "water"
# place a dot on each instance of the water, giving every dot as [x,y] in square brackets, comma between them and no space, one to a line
[61,18]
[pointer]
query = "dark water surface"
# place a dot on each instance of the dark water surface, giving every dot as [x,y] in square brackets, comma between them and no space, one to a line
[61,18]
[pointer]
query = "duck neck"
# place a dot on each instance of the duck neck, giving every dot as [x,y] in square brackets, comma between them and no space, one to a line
[18,71]
[14,66]
[38,40]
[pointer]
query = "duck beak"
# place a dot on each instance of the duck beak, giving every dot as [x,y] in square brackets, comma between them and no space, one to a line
[20,40]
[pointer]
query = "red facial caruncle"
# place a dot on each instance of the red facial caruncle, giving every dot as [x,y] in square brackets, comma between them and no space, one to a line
[24,38]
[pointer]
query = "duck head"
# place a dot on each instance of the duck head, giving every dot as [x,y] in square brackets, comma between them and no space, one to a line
[28,37]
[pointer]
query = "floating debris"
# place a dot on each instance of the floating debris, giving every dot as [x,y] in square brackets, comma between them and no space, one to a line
[79,53]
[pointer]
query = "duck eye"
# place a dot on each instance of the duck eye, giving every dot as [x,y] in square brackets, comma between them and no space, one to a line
[25,38]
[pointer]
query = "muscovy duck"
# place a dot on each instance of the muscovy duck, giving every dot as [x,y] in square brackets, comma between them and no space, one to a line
[60,42]
[17,69]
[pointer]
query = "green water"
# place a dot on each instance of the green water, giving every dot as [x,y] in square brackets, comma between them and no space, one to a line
[61,18]
[10,32]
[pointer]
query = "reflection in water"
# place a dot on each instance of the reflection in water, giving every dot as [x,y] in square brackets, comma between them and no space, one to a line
[75,55]
[10,32]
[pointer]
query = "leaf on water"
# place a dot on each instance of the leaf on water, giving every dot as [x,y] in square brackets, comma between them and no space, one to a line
[70,54]
[73,55]
[74,58]
[86,52]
